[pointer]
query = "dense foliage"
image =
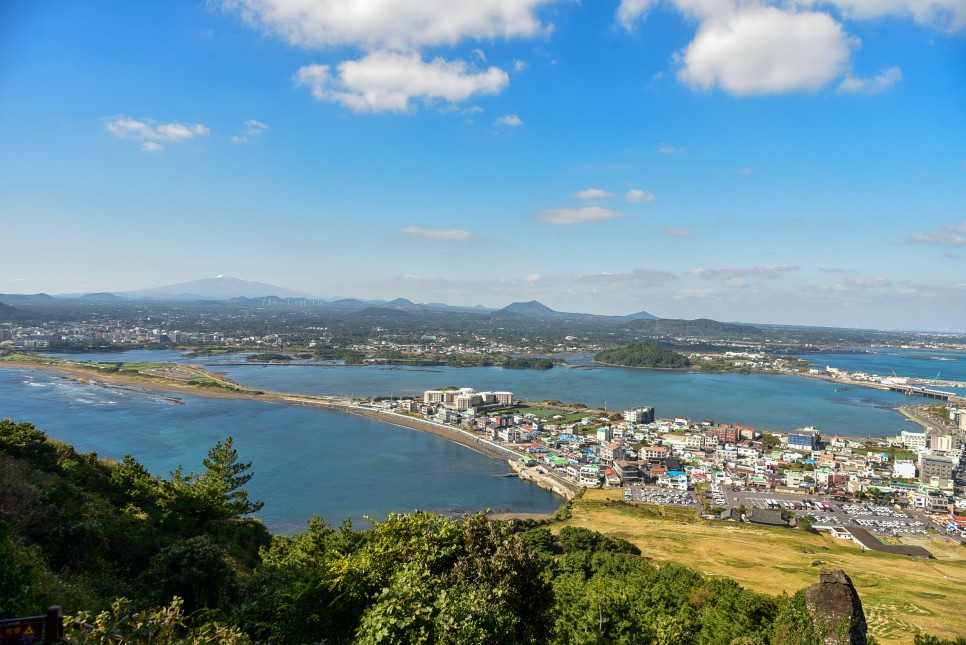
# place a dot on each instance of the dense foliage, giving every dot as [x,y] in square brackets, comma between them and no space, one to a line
[178,560]
[643,355]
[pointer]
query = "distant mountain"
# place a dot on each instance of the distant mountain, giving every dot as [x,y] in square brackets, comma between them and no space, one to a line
[440,306]
[381,312]
[26,297]
[350,304]
[701,327]
[530,308]
[402,304]
[641,315]
[221,287]
[9,313]
[102,296]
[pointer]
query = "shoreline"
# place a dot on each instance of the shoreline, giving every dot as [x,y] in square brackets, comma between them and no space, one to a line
[158,384]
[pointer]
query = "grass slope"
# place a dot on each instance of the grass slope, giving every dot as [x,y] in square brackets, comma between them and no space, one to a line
[900,595]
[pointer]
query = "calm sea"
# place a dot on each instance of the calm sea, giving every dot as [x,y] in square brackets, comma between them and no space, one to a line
[306,461]
[310,462]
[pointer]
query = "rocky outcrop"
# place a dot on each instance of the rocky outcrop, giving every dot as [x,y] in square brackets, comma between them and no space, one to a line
[836,610]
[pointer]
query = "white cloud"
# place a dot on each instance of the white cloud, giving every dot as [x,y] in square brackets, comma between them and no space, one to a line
[255,128]
[631,11]
[885,80]
[638,278]
[125,127]
[636,195]
[764,50]
[954,235]
[586,214]
[945,15]
[519,65]
[438,234]
[677,232]
[402,25]
[665,149]
[533,278]
[386,81]
[480,54]
[592,193]
[771,271]
[151,146]
[510,121]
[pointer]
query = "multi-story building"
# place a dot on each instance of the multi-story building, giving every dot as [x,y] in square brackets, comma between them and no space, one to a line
[935,467]
[806,439]
[913,440]
[639,415]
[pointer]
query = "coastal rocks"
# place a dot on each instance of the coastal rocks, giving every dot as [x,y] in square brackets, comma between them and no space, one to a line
[836,610]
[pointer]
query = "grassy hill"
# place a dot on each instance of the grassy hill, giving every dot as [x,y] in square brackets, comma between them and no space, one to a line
[900,595]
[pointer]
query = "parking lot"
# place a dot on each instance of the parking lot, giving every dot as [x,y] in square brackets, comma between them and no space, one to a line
[823,511]
[657,495]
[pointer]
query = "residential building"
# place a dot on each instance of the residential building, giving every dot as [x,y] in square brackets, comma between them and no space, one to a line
[639,415]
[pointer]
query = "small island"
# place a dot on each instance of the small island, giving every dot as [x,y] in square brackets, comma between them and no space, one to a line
[641,354]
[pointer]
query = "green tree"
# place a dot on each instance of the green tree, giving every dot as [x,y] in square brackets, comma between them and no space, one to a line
[222,483]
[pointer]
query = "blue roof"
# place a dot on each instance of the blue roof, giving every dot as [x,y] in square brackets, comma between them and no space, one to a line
[675,473]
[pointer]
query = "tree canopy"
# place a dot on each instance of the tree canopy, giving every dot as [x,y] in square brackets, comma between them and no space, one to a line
[642,354]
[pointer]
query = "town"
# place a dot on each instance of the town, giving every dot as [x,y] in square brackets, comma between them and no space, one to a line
[913,484]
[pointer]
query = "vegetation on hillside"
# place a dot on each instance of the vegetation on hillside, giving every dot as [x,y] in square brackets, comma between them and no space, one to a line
[643,355]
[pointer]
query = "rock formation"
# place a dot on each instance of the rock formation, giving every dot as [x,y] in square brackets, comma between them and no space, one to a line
[836,610]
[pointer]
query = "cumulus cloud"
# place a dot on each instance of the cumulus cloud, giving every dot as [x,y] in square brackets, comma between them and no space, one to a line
[151,146]
[437,234]
[945,15]
[954,235]
[765,50]
[885,80]
[677,232]
[771,271]
[510,121]
[665,149]
[387,81]
[592,193]
[583,215]
[125,127]
[533,278]
[401,25]
[631,11]
[636,195]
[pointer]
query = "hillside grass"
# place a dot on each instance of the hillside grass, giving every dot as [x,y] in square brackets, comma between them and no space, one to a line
[900,595]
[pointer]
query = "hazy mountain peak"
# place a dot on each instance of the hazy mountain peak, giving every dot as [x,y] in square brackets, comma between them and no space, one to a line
[222,287]
[529,308]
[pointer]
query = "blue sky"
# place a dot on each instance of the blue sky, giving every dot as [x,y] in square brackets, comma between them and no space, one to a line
[790,163]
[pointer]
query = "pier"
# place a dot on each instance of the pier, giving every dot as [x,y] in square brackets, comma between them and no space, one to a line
[914,390]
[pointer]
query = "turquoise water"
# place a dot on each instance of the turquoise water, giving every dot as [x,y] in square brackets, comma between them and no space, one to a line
[314,462]
[764,401]
[306,461]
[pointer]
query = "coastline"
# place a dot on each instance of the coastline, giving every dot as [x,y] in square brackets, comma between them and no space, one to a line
[158,384]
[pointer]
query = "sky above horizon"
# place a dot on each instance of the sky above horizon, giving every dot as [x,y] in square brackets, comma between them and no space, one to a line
[800,162]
